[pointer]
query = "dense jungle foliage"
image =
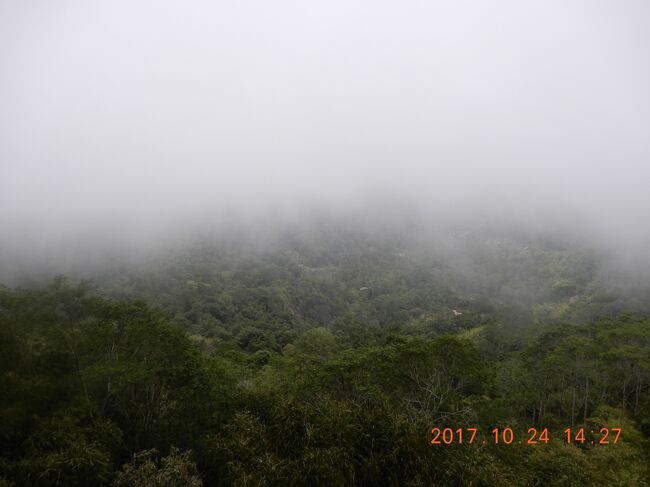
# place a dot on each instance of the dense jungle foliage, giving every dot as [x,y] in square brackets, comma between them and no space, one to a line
[327,359]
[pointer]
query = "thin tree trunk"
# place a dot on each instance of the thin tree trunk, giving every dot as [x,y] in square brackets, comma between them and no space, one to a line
[573,395]
[573,405]
[584,414]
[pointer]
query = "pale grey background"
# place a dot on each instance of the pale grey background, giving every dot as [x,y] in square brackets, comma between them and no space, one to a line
[130,117]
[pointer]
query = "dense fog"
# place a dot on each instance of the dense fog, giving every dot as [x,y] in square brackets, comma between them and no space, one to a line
[335,243]
[129,121]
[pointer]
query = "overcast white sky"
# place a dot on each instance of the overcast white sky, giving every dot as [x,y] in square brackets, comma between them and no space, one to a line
[146,111]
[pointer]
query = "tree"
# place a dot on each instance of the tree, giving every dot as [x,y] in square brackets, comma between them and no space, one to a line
[146,470]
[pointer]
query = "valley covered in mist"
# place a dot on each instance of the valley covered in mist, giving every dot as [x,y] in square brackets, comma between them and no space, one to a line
[327,349]
[343,243]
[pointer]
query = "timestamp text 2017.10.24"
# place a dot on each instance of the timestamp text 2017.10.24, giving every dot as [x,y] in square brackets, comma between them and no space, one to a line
[532,436]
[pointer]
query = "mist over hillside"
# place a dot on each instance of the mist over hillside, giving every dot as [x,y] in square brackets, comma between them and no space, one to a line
[527,273]
[123,122]
[337,243]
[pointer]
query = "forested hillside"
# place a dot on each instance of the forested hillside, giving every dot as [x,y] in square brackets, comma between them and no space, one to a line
[329,358]
[326,244]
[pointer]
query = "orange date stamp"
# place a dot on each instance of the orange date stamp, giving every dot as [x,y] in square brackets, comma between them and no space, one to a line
[532,436]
